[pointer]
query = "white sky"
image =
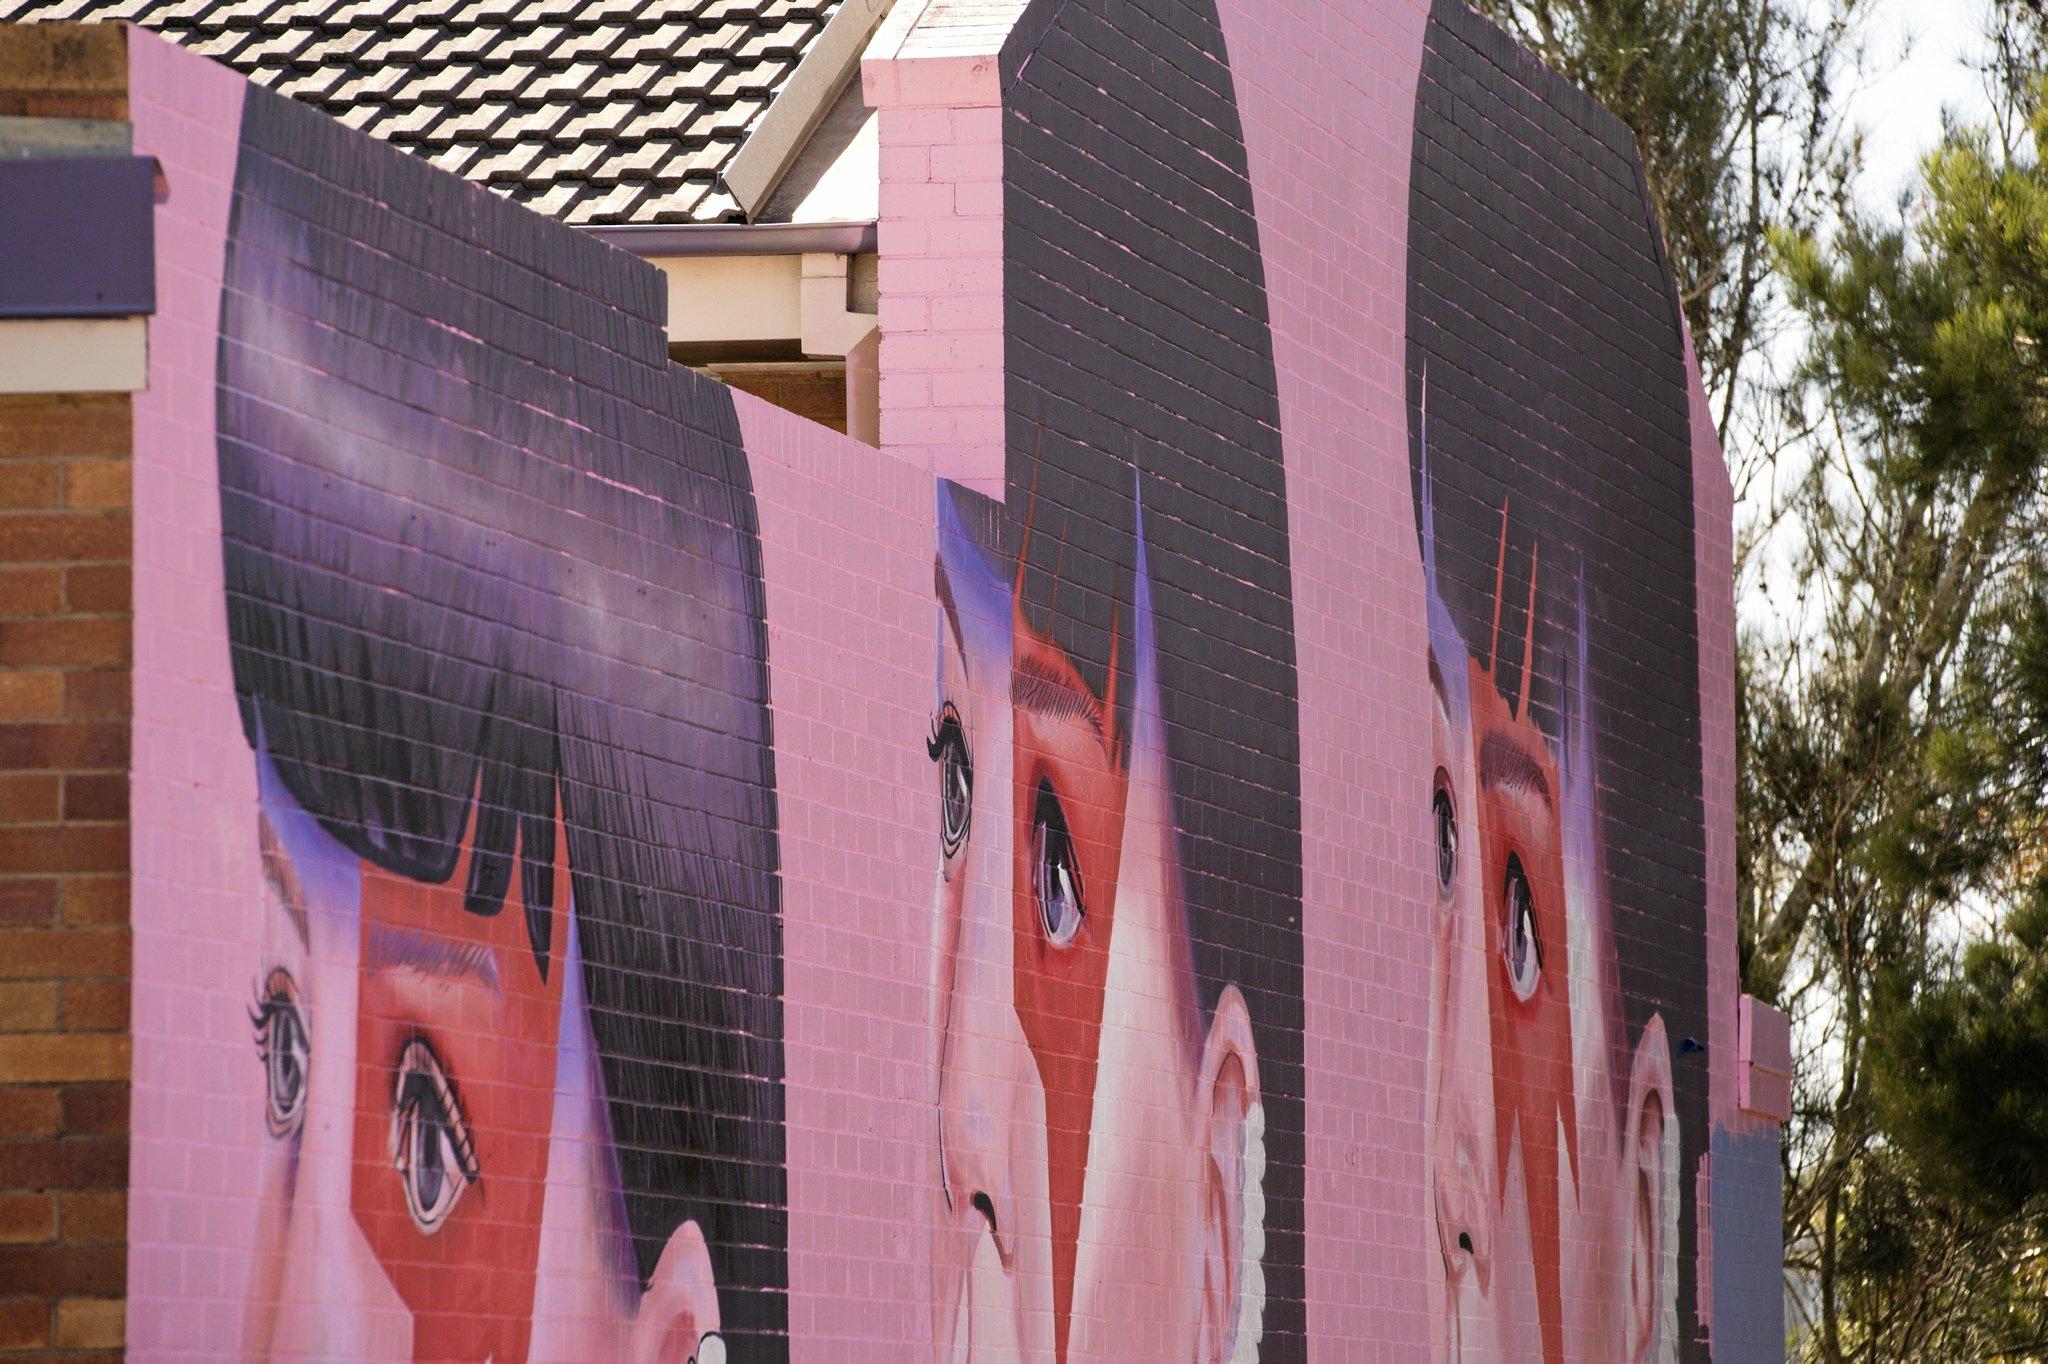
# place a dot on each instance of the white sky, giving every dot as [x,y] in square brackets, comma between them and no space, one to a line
[1917,64]
[1918,53]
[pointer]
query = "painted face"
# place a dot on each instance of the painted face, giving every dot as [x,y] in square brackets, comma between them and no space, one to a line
[317,1291]
[307,956]
[1067,815]
[407,1052]
[1076,1201]
[992,1233]
[455,1049]
[1537,1146]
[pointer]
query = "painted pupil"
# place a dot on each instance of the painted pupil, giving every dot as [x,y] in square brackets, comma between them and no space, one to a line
[948,748]
[956,797]
[432,1154]
[1523,954]
[1446,838]
[429,1131]
[287,1078]
[1055,871]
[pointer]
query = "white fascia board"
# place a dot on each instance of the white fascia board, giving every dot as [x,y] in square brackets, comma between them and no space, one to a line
[74,354]
[830,327]
[733,298]
[758,166]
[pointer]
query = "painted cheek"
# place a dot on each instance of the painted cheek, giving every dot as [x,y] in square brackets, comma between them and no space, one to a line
[495,1043]
[1059,988]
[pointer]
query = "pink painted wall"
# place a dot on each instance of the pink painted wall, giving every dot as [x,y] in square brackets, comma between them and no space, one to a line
[846,545]
[1329,145]
[197,1124]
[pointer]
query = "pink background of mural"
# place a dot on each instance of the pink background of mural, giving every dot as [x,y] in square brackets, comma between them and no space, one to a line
[846,537]
[1329,145]
[198,1124]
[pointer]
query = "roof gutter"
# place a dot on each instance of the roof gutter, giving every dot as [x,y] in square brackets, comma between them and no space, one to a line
[765,157]
[739,239]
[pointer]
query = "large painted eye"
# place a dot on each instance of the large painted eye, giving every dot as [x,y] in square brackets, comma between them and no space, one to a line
[948,748]
[1446,820]
[1520,951]
[1055,871]
[429,1141]
[281,1042]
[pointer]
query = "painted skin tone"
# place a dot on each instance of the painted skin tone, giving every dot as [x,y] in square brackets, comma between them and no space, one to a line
[425,1197]
[1553,1178]
[1093,1128]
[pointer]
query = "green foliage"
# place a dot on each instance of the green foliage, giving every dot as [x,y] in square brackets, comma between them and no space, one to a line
[1960,1079]
[1895,760]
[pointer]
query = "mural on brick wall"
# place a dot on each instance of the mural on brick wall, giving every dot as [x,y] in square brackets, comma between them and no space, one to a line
[1552,466]
[512,984]
[497,641]
[1119,1001]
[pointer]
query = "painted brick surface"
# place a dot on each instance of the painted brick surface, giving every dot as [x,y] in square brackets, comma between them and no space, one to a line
[940,263]
[1213,844]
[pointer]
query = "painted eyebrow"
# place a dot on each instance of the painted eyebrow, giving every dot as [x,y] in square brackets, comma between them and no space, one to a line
[282,876]
[401,949]
[944,590]
[1504,763]
[1052,693]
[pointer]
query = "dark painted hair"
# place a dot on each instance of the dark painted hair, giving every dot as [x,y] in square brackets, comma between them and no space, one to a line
[1140,371]
[479,537]
[1542,311]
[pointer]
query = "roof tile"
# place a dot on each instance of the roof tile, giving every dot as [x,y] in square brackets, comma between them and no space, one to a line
[592,111]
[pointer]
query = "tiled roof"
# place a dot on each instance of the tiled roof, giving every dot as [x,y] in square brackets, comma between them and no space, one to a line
[591,111]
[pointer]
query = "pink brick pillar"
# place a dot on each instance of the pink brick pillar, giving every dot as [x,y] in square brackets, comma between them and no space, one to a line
[941,266]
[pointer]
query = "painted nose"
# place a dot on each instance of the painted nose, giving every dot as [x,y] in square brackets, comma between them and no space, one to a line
[334,1300]
[973,1129]
[1463,1233]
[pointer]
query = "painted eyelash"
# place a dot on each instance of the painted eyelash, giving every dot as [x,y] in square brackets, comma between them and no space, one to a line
[934,742]
[262,1013]
[1034,689]
[275,993]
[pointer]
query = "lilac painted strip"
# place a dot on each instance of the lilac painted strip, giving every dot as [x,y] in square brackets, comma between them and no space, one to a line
[77,237]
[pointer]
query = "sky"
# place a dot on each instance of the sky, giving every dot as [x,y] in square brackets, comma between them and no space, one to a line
[1917,63]
[1918,54]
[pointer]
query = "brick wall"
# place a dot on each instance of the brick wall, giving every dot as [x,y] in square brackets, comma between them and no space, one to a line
[64,953]
[816,393]
[65,554]
[63,71]
[447,443]
[940,268]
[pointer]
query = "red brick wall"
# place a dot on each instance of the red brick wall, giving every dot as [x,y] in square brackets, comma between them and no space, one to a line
[65,552]
[64,71]
[64,963]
